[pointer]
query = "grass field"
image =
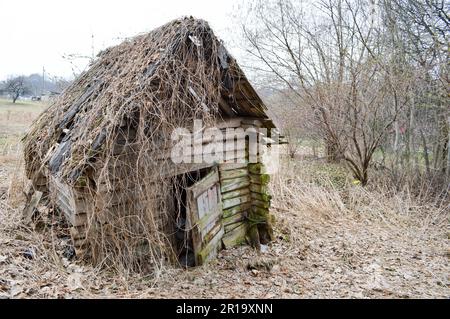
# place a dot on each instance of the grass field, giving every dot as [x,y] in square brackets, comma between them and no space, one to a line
[15,119]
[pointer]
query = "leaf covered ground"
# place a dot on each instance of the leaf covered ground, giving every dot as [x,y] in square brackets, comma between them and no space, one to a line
[334,239]
[331,242]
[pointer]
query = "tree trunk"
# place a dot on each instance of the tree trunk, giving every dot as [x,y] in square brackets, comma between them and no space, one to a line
[441,160]
[445,135]
[331,151]
[396,145]
[425,152]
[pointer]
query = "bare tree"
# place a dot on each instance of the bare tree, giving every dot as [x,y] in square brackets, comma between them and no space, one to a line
[340,64]
[295,121]
[16,86]
[424,27]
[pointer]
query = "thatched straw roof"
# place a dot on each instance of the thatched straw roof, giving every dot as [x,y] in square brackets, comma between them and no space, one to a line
[155,82]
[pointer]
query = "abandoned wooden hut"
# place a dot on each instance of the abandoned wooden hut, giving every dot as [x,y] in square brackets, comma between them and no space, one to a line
[102,153]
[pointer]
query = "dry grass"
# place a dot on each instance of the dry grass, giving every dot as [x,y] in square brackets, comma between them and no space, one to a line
[333,239]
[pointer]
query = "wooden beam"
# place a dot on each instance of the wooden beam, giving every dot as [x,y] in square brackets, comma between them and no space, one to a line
[226,108]
[233,184]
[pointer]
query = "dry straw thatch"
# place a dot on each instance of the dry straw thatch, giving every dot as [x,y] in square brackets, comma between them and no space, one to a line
[133,95]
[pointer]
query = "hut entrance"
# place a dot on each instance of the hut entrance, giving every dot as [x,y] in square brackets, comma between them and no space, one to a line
[199,226]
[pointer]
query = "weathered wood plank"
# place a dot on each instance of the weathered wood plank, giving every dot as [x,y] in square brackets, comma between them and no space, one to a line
[229,123]
[240,216]
[209,219]
[228,167]
[235,193]
[261,197]
[261,189]
[206,183]
[261,204]
[224,147]
[233,184]
[231,174]
[251,122]
[230,227]
[257,168]
[236,210]
[235,201]
[235,237]
[210,235]
[225,107]
[262,179]
[211,249]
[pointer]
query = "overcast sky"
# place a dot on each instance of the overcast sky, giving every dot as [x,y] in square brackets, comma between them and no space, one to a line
[36,34]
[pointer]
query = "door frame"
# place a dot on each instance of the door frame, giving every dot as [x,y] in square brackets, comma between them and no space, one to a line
[204,216]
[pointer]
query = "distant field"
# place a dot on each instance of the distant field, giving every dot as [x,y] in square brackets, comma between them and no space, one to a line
[15,119]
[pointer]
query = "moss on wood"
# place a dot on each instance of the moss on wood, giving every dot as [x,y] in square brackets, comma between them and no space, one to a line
[236,209]
[236,193]
[236,237]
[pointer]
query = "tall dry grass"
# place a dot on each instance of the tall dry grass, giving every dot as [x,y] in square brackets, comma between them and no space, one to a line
[327,191]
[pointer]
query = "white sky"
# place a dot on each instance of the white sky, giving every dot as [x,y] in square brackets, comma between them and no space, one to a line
[36,34]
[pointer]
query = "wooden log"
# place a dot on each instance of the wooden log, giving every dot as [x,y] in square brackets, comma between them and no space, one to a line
[261,197]
[230,227]
[261,204]
[261,189]
[233,184]
[236,210]
[261,212]
[59,187]
[64,205]
[235,237]
[59,156]
[228,158]
[228,167]
[235,201]
[236,193]
[225,107]
[262,179]
[229,123]
[238,159]
[236,218]
[224,147]
[231,174]
[251,122]
[257,168]
[181,168]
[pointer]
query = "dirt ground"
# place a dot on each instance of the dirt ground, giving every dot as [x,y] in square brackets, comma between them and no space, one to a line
[331,242]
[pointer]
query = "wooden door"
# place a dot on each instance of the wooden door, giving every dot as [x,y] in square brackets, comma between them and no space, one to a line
[204,217]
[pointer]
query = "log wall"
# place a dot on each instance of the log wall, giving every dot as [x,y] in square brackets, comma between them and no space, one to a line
[236,201]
